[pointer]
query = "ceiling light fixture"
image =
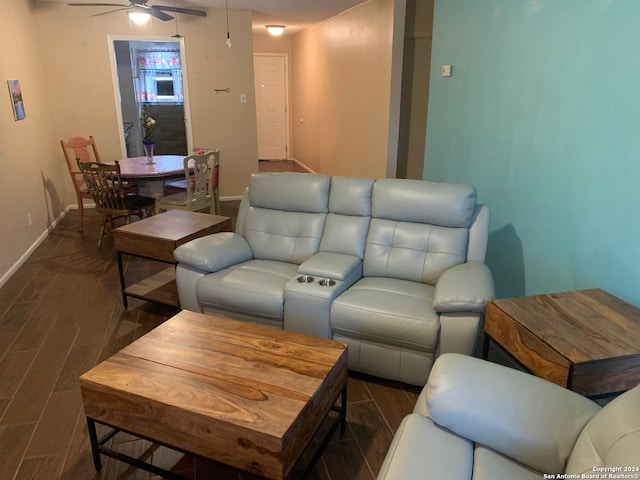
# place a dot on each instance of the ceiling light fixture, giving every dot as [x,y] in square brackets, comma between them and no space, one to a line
[138,17]
[275,30]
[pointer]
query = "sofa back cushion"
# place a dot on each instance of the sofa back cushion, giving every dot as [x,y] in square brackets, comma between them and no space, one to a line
[443,204]
[290,192]
[610,439]
[349,216]
[286,216]
[418,230]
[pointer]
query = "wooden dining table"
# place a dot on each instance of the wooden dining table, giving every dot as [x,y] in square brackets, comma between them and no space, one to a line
[164,167]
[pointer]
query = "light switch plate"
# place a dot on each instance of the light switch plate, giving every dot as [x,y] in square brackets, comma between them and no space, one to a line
[446,70]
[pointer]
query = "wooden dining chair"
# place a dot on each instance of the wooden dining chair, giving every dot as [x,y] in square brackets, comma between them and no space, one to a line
[180,186]
[112,197]
[84,150]
[200,185]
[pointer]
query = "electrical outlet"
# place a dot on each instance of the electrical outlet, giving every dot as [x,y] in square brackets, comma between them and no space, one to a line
[29,219]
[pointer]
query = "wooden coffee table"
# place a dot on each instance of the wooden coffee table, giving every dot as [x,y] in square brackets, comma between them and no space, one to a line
[246,395]
[155,238]
[585,340]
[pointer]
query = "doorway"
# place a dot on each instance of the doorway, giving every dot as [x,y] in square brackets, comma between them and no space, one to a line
[151,74]
[271,106]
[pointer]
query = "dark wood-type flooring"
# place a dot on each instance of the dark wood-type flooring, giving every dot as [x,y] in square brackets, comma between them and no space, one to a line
[61,313]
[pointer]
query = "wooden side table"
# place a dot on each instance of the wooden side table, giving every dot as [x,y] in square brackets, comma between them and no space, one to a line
[155,238]
[585,340]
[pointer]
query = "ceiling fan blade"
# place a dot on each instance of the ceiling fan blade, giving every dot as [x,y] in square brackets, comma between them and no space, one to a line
[110,11]
[98,5]
[186,11]
[157,13]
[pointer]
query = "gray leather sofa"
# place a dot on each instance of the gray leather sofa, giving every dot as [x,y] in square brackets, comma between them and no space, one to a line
[478,420]
[392,268]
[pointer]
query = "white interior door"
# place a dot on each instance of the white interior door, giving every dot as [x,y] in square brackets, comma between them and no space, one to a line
[271,106]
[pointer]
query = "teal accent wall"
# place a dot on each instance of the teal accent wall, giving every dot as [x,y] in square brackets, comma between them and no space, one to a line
[542,116]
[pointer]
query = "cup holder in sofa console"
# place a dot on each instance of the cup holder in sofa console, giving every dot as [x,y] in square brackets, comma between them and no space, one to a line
[327,282]
[305,279]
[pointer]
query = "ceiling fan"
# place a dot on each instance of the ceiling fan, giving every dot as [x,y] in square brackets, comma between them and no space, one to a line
[140,6]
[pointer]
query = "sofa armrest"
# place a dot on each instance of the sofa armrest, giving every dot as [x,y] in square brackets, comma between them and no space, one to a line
[336,266]
[214,252]
[465,287]
[512,412]
[307,306]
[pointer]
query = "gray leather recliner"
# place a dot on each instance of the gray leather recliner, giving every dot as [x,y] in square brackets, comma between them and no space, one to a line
[478,420]
[424,285]
[243,275]
[392,268]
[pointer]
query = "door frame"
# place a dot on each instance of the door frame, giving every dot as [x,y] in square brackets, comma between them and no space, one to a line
[116,84]
[287,121]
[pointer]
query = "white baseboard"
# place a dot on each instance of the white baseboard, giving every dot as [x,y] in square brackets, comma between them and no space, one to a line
[25,256]
[302,165]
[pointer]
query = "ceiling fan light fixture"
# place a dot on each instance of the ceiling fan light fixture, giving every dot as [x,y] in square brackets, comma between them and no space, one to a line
[139,18]
[275,30]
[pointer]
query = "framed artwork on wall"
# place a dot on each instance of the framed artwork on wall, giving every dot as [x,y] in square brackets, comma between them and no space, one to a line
[16,99]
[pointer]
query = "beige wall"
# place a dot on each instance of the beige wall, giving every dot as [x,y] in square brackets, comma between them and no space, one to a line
[32,179]
[340,87]
[60,55]
[264,43]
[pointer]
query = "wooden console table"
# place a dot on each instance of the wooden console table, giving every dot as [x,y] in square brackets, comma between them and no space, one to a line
[585,340]
[155,238]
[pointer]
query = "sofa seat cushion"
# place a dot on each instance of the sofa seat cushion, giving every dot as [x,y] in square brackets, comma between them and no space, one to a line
[421,449]
[490,465]
[255,287]
[387,311]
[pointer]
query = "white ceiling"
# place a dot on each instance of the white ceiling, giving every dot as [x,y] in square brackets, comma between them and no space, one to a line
[295,14]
